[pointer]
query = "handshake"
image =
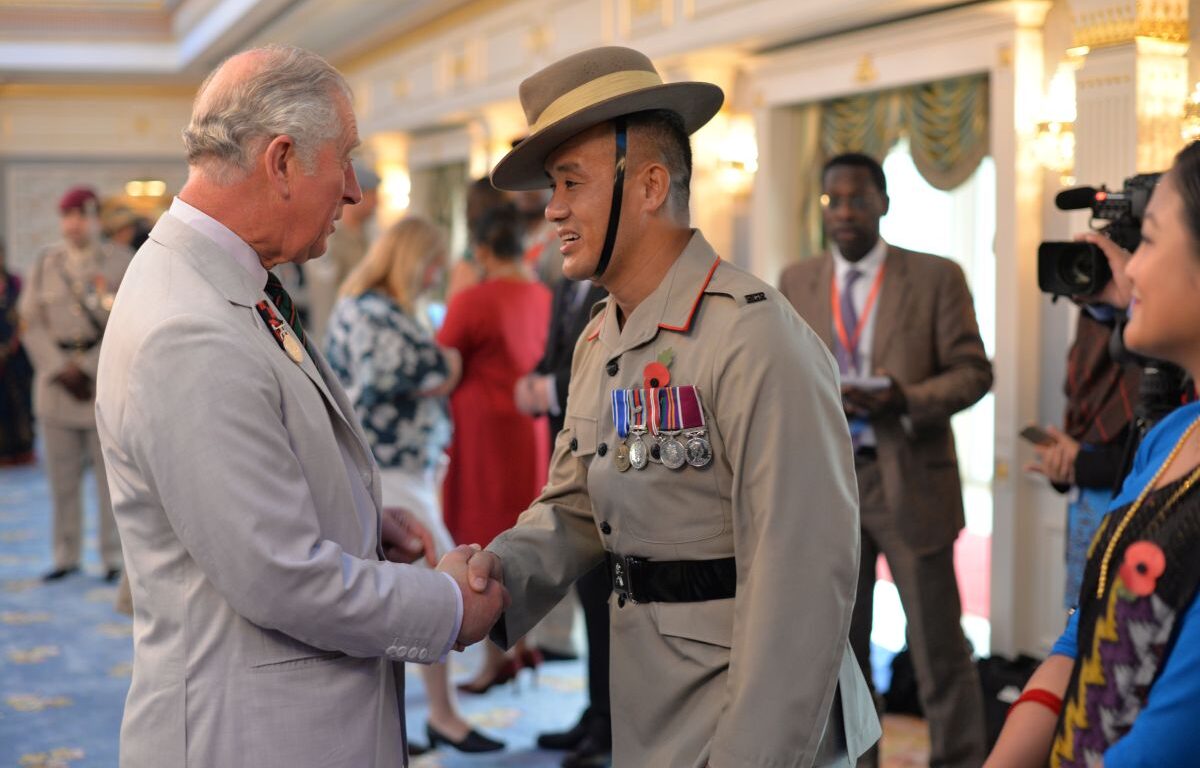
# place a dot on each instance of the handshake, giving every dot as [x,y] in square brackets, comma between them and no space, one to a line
[479,575]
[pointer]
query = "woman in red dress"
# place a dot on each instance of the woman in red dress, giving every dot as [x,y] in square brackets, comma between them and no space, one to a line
[498,456]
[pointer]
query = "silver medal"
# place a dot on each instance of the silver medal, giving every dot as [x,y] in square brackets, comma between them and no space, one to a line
[639,454]
[699,452]
[672,452]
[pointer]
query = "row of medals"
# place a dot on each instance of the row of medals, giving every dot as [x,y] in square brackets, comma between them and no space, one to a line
[673,452]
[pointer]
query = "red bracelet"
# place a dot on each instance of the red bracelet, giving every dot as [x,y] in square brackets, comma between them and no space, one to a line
[1041,696]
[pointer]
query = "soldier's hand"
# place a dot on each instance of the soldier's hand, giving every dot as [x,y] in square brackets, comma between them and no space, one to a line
[482,605]
[77,383]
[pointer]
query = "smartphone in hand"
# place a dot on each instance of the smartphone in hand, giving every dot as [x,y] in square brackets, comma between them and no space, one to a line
[1036,435]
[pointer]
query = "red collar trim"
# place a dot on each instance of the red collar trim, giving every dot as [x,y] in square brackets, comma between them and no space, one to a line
[596,333]
[691,314]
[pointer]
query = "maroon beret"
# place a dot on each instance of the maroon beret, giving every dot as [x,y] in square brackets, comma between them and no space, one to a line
[79,199]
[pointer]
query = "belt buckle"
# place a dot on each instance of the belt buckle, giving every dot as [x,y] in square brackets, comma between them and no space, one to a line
[623,568]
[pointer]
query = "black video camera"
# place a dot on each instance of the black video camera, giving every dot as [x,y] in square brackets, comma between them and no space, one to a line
[1081,269]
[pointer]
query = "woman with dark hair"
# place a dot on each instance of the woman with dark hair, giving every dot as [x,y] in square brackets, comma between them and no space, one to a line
[16,377]
[498,456]
[1122,685]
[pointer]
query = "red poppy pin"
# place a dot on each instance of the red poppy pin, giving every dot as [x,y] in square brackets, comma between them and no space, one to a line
[657,373]
[1144,563]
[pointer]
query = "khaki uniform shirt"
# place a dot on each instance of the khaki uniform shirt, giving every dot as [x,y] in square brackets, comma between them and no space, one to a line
[69,293]
[747,681]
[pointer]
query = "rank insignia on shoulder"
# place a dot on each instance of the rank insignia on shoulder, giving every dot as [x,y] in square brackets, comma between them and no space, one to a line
[754,298]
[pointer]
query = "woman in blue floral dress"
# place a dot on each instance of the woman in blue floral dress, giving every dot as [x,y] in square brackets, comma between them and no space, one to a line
[397,377]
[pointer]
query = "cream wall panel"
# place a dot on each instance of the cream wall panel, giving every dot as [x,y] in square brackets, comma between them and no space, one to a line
[32,189]
[92,127]
[579,25]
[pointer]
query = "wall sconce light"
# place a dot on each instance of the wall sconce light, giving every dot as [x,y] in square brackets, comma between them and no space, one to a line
[737,155]
[1190,129]
[146,188]
[395,190]
[1054,143]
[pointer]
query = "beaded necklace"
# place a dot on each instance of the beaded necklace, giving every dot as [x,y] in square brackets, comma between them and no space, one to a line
[1133,508]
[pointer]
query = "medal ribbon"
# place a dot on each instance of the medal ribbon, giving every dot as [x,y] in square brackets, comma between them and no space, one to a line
[670,396]
[620,410]
[655,409]
[638,422]
[848,344]
[691,414]
[273,321]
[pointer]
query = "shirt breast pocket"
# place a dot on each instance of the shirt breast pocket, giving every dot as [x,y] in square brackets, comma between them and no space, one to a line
[581,438]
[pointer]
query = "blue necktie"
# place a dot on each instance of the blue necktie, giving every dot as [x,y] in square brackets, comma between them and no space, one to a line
[847,360]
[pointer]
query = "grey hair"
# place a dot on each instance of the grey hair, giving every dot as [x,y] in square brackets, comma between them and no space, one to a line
[290,92]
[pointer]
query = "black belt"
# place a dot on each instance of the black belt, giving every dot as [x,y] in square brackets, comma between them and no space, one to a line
[77,346]
[673,581]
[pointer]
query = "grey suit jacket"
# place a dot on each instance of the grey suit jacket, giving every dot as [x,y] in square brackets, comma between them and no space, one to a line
[265,624]
[927,339]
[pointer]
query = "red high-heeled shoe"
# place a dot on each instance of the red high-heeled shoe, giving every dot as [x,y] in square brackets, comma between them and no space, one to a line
[507,673]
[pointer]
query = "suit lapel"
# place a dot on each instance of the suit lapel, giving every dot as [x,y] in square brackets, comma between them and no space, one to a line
[893,297]
[236,285]
[822,300]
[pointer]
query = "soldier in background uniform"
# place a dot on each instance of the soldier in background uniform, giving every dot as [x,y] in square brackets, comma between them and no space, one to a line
[704,453]
[64,309]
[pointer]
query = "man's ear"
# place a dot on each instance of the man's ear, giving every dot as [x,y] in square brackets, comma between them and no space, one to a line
[279,160]
[887,204]
[654,182]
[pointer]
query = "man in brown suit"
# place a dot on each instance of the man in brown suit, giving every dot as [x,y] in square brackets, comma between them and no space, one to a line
[902,327]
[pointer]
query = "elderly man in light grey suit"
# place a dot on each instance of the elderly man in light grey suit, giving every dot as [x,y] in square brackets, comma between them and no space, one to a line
[267,625]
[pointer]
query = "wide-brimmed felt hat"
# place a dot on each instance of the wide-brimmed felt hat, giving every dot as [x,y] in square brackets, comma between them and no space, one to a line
[589,88]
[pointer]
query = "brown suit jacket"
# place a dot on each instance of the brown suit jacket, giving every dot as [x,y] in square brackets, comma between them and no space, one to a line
[927,340]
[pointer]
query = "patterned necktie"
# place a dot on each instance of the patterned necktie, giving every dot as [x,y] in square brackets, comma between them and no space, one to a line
[274,289]
[847,359]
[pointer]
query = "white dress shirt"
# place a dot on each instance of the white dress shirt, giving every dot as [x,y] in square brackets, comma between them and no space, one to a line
[869,266]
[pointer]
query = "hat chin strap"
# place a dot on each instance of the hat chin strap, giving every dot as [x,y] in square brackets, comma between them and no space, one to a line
[614,214]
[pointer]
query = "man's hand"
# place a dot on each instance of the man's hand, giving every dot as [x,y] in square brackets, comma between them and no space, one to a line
[77,383]
[484,595]
[1056,460]
[405,539]
[874,403]
[1117,292]
[532,394]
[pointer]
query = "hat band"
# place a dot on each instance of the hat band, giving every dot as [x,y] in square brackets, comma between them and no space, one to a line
[594,91]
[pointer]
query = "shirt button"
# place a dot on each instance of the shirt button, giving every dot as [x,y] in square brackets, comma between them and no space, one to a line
[605,528]
[613,367]
[602,449]
[574,444]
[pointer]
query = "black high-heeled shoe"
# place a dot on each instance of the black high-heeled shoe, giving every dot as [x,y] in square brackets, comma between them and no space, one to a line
[474,741]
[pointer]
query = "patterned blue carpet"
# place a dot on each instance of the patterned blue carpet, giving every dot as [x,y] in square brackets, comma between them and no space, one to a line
[65,658]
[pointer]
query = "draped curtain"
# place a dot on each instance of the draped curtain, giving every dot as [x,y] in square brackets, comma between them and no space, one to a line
[946,123]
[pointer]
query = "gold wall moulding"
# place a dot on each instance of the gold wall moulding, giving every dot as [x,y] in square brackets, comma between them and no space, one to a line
[1124,22]
[865,71]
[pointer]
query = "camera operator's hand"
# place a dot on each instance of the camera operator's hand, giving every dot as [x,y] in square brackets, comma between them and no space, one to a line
[1056,459]
[1118,292]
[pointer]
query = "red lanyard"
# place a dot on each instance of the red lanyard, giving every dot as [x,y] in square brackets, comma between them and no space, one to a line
[848,344]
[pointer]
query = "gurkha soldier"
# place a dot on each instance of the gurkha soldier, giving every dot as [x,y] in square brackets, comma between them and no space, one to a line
[64,310]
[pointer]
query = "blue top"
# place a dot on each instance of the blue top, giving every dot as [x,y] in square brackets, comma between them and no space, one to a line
[1161,734]
[383,358]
